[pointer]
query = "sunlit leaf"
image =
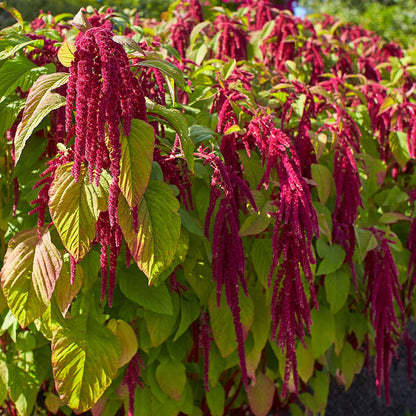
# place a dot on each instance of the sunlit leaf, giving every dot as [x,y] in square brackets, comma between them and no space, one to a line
[85,358]
[154,246]
[136,161]
[74,208]
[40,102]
[31,268]
[127,338]
[66,53]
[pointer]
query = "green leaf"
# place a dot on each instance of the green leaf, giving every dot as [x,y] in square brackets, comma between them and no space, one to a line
[222,323]
[12,73]
[306,360]
[323,178]
[154,247]
[136,161]
[399,147]
[337,286]
[166,67]
[135,286]
[322,330]
[320,386]
[9,109]
[171,378]
[65,292]
[85,357]
[190,311]
[260,395]
[178,122]
[127,338]
[261,256]
[333,257]
[23,382]
[40,102]
[351,363]
[31,268]
[258,222]
[159,326]
[75,207]
[261,320]
[216,400]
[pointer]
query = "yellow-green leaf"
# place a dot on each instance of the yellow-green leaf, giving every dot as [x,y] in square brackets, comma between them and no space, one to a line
[66,53]
[75,206]
[154,247]
[260,395]
[171,378]
[85,358]
[40,102]
[136,161]
[127,338]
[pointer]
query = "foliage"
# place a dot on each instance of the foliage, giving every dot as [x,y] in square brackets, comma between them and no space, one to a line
[392,19]
[210,214]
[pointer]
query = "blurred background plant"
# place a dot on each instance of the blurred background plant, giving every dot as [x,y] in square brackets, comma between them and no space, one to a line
[391,19]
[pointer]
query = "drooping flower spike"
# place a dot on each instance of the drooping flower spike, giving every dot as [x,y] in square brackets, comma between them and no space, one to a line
[106,93]
[383,286]
[295,226]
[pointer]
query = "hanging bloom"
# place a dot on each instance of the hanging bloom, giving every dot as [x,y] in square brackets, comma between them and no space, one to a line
[105,93]
[228,259]
[382,290]
[132,379]
[296,224]
[233,40]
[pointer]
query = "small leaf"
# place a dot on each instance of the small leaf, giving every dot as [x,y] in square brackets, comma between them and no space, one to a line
[154,247]
[262,256]
[260,395]
[127,338]
[178,122]
[222,323]
[136,161]
[85,357]
[75,207]
[190,311]
[129,42]
[399,147]
[323,178]
[337,287]
[306,360]
[80,21]
[333,257]
[66,53]
[31,268]
[40,102]
[171,378]
[166,67]
[322,330]
[65,292]
[351,363]
[216,400]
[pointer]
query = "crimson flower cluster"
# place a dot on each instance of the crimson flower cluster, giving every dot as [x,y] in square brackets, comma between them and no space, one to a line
[233,40]
[296,224]
[382,290]
[228,259]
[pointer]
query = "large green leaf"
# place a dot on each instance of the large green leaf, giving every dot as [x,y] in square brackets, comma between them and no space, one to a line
[9,109]
[12,72]
[136,161]
[399,147]
[135,286]
[178,122]
[65,292]
[323,178]
[171,378]
[165,67]
[31,268]
[222,323]
[337,287]
[85,358]
[153,248]
[74,208]
[40,102]
[322,330]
